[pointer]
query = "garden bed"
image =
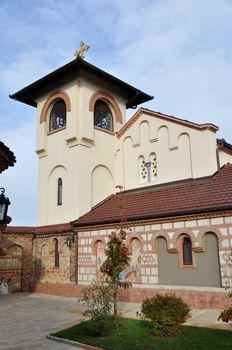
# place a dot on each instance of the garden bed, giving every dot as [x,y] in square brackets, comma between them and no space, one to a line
[137,335]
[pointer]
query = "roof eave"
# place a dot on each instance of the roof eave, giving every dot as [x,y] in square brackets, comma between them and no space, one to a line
[28,94]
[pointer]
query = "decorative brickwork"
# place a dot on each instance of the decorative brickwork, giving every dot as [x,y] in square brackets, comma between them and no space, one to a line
[29,258]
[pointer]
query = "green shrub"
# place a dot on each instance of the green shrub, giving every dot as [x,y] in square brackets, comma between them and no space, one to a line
[166,314]
[226,315]
[98,303]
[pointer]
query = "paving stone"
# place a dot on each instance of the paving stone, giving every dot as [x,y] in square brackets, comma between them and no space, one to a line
[26,320]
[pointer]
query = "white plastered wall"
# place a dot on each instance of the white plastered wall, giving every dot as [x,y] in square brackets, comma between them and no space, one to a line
[182,152]
[86,153]
[95,161]
[224,158]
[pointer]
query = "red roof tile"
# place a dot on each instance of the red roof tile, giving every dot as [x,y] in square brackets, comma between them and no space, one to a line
[58,228]
[182,198]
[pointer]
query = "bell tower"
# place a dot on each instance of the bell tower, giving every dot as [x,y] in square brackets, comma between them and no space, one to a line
[80,109]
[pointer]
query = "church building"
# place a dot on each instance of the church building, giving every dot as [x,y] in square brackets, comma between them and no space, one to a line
[176,201]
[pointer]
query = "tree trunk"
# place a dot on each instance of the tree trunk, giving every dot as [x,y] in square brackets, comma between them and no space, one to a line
[115,301]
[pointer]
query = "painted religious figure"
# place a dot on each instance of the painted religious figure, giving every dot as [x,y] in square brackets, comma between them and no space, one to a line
[133,272]
[101,257]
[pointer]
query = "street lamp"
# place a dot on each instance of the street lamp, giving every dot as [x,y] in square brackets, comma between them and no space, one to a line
[70,240]
[4,203]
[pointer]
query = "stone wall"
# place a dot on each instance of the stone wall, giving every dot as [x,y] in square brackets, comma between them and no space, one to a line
[16,261]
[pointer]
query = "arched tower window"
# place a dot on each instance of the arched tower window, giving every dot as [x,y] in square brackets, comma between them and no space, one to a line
[59,191]
[57,255]
[103,117]
[57,117]
[187,251]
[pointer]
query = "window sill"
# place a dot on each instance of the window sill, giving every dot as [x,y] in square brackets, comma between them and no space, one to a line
[56,130]
[187,266]
[104,130]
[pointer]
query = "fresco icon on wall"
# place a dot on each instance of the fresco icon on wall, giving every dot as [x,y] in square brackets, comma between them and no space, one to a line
[101,257]
[133,272]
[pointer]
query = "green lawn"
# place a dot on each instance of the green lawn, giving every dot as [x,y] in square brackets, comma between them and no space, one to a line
[136,335]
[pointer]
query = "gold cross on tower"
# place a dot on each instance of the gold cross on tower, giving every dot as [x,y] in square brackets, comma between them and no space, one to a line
[83,47]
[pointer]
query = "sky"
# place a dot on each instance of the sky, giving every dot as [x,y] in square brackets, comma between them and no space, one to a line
[179,51]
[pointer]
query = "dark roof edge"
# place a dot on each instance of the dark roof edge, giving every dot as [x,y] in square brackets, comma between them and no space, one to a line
[24,95]
[153,216]
[223,143]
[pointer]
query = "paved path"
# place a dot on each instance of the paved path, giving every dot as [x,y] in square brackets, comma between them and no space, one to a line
[26,320]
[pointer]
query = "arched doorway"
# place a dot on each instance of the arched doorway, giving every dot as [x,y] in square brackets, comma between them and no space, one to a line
[11,267]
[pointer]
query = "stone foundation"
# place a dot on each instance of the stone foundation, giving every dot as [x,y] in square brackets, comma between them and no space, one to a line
[215,298]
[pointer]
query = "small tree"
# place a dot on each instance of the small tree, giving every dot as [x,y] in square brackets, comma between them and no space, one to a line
[97,300]
[117,260]
[226,315]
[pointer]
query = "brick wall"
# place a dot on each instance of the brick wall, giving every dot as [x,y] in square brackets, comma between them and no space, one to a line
[194,298]
[78,265]
[16,261]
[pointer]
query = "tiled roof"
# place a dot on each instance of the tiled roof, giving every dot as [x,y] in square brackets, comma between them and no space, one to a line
[186,197]
[58,228]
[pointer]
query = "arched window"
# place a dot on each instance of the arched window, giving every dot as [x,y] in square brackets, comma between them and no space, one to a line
[57,117]
[57,255]
[187,251]
[59,191]
[103,117]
